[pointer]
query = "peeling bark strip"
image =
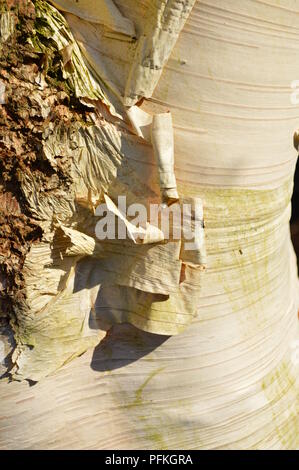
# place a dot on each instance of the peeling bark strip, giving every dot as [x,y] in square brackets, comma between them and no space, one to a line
[162,140]
[104,12]
[164,22]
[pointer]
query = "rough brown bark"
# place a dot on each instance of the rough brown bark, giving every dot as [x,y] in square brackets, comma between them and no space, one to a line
[22,124]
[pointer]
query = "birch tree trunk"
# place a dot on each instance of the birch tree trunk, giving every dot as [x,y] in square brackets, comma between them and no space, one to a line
[176,356]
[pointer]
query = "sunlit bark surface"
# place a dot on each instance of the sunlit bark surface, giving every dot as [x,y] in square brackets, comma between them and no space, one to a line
[210,362]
